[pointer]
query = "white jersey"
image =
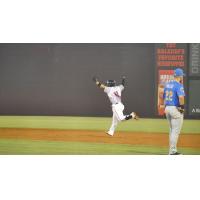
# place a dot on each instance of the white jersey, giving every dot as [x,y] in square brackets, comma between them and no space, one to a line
[114,93]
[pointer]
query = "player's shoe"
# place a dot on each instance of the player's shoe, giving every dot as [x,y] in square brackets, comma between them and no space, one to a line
[176,153]
[109,133]
[134,116]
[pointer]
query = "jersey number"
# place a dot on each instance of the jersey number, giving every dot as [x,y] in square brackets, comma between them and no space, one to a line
[169,95]
[117,94]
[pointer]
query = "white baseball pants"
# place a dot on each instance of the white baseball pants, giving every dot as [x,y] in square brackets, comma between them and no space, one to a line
[175,119]
[118,116]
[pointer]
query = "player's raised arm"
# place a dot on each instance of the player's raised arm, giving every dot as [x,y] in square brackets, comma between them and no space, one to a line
[123,80]
[95,79]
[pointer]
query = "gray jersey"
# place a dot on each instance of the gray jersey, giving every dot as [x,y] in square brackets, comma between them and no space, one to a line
[114,93]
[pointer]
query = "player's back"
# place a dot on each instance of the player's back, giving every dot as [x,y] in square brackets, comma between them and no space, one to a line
[114,93]
[171,93]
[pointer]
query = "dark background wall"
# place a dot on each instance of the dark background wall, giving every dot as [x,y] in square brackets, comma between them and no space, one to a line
[56,79]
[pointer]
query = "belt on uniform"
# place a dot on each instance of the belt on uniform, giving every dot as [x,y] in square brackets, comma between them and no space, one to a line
[115,103]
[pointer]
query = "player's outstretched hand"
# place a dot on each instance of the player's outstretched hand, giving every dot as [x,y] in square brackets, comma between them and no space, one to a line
[123,77]
[95,79]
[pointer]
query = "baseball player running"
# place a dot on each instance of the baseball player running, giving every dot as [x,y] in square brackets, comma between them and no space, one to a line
[173,99]
[114,94]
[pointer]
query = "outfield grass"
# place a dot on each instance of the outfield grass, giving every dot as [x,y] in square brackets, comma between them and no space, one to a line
[94,123]
[27,147]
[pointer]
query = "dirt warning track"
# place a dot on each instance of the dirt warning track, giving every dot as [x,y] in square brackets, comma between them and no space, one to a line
[153,139]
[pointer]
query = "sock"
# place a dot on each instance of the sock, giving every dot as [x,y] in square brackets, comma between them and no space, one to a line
[128,117]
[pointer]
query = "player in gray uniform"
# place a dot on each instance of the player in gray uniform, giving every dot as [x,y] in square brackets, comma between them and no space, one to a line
[114,94]
[173,99]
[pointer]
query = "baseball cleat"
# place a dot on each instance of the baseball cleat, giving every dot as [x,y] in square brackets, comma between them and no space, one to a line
[175,153]
[135,116]
[108,133]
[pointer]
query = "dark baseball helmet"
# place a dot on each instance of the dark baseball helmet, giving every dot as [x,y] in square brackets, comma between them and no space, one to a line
[110,83]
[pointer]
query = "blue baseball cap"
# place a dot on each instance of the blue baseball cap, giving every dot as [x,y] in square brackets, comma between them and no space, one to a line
[178,72]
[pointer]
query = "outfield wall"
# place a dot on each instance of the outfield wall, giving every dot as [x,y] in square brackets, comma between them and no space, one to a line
[56,79]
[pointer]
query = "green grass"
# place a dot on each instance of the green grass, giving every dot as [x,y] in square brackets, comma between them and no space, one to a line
[93,123]
[27,147]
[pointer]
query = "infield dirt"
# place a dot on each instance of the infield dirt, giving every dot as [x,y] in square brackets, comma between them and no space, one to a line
[136,138]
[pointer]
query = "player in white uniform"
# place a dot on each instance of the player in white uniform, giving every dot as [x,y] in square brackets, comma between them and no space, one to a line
[114,94]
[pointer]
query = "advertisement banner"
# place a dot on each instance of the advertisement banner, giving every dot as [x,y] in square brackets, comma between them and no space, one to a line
[164,77]
[169,56]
